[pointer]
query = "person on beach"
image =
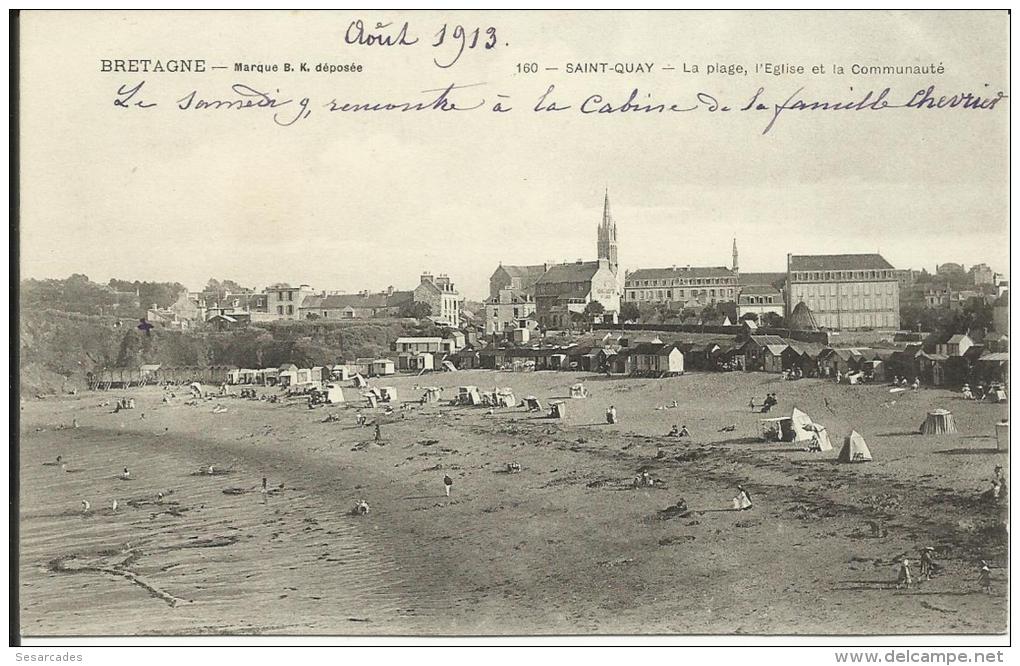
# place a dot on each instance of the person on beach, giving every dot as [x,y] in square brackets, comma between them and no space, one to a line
[674,431]
[361,418]
[611,415]
[742,501]
[985,578]
[125,475]
[684,432]
[927,563]
[904,579]
[448,484]
[378,432]
[751,404]
[85,506]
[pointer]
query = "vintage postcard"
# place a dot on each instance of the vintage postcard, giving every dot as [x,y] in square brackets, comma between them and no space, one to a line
[486,323]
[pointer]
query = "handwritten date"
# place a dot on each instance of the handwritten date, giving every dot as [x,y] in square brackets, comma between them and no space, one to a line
[453,40]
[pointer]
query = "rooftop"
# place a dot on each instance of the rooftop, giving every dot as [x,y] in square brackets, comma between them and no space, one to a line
[580,271]
[679,272]
[838,262]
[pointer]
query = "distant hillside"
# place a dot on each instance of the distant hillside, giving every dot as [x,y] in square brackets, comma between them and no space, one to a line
[58,348]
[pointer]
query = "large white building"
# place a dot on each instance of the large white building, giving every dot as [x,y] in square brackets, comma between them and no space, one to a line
[845,291]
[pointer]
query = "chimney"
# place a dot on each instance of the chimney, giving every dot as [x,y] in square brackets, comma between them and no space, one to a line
[389,290]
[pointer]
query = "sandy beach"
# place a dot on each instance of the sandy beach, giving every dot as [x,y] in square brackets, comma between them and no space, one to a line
[566,546]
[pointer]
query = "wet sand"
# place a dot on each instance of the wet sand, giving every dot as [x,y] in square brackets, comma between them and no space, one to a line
[567,545]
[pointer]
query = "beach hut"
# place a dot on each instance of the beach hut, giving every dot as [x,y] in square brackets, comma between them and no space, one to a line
[938,422]
[772,358]
[288,374]
[388,394]
[776,429]
[578,391]
[1002,435]
[149,373]
[339,372]
[855,449]
[468,395]
[557,409]
[533,404]
[334,394]
[431,394]
[505,398]
[381,367]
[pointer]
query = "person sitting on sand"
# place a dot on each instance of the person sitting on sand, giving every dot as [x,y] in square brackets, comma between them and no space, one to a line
[125,474]
[999,490]
[904,383]
[917,383]
[751,404]
[674,431]
[684,432]
[361,420]
[816,443]
[904,579]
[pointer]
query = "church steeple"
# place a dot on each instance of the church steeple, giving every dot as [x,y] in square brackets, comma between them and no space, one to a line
[736,264]
[607,237]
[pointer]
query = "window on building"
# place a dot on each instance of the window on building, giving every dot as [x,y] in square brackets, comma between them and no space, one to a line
[279,309]
[290,309]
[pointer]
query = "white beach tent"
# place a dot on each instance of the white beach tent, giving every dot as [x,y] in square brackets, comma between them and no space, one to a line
[798,421]
[855,449]
[938,422]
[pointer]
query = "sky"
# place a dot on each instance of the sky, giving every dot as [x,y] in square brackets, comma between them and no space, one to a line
[346,202]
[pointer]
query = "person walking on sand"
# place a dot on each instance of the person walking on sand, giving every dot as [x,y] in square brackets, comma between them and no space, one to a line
[611,415]
[904,579]
[751,404]
[985,578]
[378,432]
[448,484]
[927,563]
